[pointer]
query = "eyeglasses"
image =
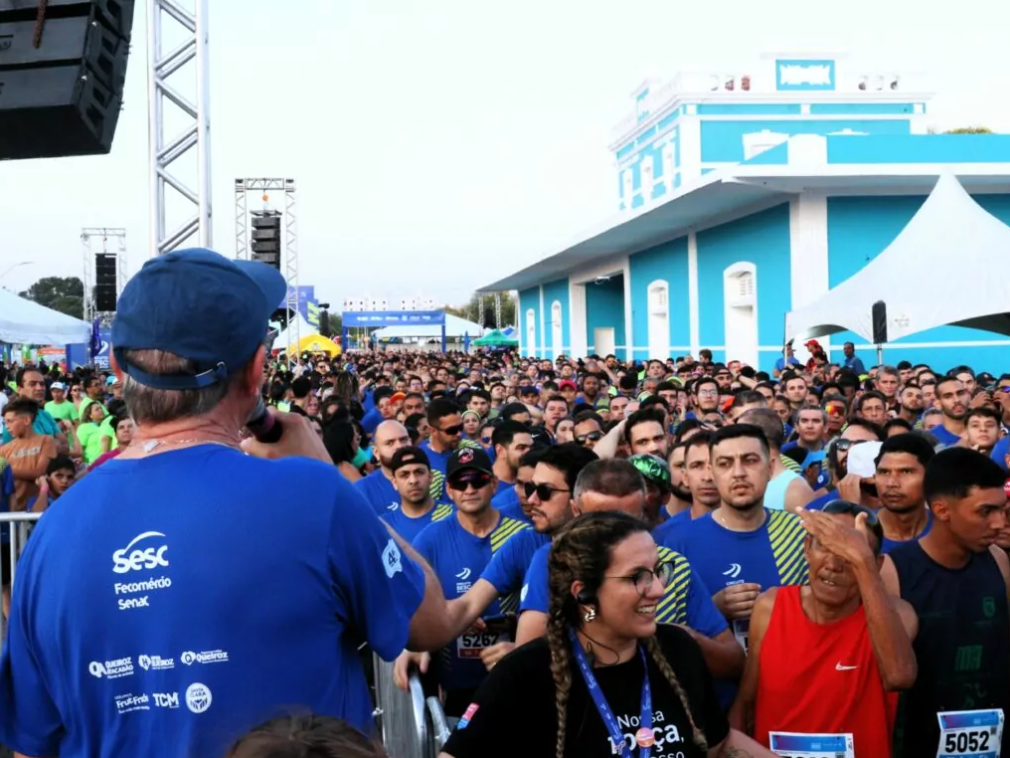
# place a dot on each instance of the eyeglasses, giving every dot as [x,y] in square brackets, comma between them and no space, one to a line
[452,431]
[643,578]
[582,439]
[544,492]
[708,393]
[475,479]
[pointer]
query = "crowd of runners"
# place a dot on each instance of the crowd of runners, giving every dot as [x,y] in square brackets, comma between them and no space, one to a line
[669,557]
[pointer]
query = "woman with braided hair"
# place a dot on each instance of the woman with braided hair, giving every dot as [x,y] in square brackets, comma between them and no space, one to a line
[606,680]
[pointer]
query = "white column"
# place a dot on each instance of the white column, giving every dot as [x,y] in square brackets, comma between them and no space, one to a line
[541,350]
[808,250]
[520,324]
[578,329]
[694,317]
[629,327]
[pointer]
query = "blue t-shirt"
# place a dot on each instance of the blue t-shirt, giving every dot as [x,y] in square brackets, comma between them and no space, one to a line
[817,504]
[888,545]
[409,527]
[507,570]
[686,601]
[197,606]
[44,424]
[458,558]
[507,504]
[771,556]
[379,492]
[6,490]
[371,420]
[664,532]
[947,439]
[780,364]
[1000,450]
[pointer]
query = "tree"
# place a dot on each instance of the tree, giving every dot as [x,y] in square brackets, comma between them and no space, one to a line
[471,311]
[61,293]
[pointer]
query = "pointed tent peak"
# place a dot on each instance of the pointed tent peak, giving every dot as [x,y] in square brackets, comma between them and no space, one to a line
[950,196]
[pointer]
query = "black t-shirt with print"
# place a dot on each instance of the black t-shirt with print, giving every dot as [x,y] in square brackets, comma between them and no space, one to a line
[514,711]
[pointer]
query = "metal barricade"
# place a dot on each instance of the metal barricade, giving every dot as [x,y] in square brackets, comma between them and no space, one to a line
[20,525]
[402,716]
[439,724]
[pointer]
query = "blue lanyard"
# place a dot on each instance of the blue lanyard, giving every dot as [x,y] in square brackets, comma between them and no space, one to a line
[644,736]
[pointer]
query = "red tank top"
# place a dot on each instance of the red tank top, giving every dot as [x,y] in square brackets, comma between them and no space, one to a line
[822,679]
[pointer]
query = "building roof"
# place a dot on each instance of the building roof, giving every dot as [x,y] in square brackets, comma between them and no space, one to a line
[836,165]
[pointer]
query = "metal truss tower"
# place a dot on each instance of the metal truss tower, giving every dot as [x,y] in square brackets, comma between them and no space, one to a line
[289,255]
[166,150]
[87,235]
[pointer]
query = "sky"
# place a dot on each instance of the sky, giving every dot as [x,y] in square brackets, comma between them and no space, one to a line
[439,145]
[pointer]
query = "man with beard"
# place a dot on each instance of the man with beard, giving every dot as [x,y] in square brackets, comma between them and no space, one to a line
[680,497]
[378,488]
[901,469]
[952,399]
[696,482]
[412,479]
[742,548]
[840,634]
[511,441]
[956,579]
[910,403]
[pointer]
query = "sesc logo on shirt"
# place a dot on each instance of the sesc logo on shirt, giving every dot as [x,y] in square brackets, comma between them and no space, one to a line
[124,561]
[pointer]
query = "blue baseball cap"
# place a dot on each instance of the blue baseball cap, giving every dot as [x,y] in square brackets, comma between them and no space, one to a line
[200,306]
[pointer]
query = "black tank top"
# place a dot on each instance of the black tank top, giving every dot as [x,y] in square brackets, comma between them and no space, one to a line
[963,645]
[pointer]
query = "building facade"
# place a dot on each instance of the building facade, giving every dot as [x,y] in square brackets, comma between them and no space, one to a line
[744,195]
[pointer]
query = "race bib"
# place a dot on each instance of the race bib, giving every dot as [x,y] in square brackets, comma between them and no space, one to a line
[793,745]
[470,645]
[978,734]
[741,630]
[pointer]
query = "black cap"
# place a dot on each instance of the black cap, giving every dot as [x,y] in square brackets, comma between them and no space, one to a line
[406,456]
[468,458]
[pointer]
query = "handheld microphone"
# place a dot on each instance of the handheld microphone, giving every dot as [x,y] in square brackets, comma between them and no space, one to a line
[263,425]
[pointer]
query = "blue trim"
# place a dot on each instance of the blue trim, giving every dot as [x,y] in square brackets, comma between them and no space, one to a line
[861,109]
[749,109]
[932,148]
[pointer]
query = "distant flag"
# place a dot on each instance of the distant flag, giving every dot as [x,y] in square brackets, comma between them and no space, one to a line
[96,338]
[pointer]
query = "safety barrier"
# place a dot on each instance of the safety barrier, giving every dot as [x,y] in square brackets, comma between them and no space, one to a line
[403,720]
[411,726]
[20,526]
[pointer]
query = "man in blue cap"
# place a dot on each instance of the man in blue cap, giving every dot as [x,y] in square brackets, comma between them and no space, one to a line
[185,589]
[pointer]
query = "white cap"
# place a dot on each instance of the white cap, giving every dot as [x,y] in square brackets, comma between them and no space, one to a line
[59,386]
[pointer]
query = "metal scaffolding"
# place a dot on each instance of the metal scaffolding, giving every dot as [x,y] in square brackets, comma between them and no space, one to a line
[289,254]
[88,234]
[163,151]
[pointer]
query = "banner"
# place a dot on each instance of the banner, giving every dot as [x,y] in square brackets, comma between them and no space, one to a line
[393,318]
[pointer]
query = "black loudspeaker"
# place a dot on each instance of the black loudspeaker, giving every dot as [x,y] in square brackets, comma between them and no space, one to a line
[61,96]
[105,282]
[266,237]
[324,324]
[879,322]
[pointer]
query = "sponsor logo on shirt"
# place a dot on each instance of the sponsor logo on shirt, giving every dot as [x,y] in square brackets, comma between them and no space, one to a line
[392,507]
[463,584]
[733,571]
[208,656]
[116,669]
[130,702]
[155,663]
[166,699]
[391,559]
[198,697]
[128,559]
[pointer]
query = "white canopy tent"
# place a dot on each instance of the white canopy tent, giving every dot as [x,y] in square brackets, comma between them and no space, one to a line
[455,328]
[950,233]
[23,322]
[287,337]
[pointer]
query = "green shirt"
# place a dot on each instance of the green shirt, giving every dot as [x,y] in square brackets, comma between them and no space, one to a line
[64,411]
[90,436]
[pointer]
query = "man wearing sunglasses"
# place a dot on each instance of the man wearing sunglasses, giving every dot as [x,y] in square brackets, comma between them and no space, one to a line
[459,548]
[840,633]
[513,501]
[588,429]
[616,485]
[446,422]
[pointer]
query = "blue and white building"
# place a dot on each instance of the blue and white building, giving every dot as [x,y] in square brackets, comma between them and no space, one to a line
[748,193]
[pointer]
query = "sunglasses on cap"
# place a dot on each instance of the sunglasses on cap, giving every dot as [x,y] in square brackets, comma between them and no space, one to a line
[582,439]
[464,479]
[835,410]
[452,431]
